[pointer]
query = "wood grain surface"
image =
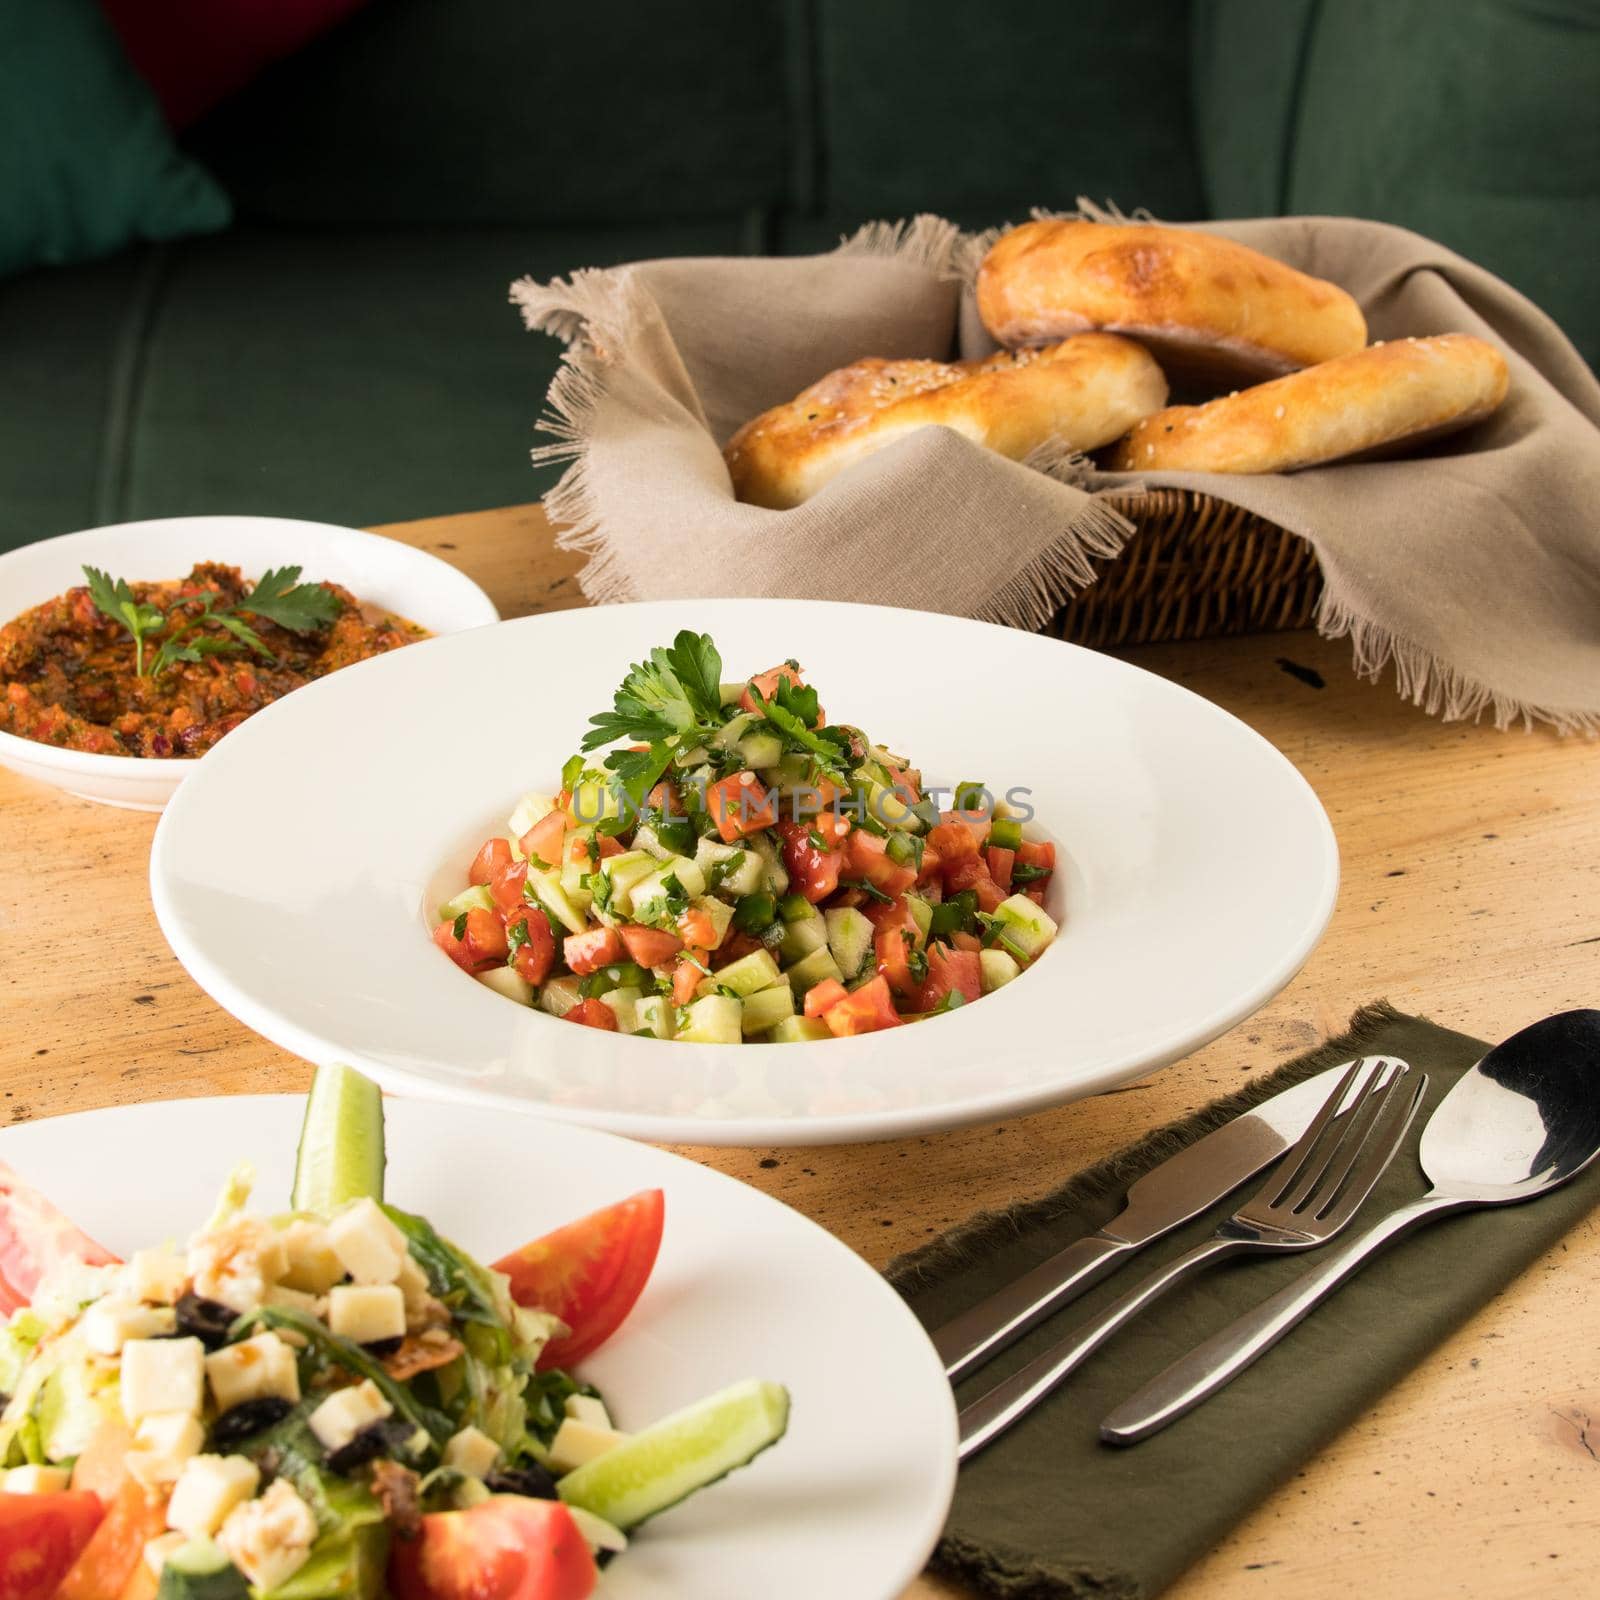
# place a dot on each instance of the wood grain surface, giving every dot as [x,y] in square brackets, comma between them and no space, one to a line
[1471,893]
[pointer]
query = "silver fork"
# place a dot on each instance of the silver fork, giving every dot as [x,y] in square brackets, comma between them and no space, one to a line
[1315,1190]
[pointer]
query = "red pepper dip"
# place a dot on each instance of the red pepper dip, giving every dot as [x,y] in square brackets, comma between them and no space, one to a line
[68,678]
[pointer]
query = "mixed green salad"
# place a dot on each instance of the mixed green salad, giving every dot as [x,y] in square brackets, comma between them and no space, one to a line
[737,869]
[332,1401]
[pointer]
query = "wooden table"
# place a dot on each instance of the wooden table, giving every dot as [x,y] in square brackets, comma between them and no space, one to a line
[1471,892]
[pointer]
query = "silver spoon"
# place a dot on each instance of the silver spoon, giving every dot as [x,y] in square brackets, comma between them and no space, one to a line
[1523,1120]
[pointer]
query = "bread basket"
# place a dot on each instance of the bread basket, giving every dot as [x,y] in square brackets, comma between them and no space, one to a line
[1196,568]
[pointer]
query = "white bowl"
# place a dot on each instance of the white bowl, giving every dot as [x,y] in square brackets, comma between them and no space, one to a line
[418,586]
[1197,870]
[848,1504]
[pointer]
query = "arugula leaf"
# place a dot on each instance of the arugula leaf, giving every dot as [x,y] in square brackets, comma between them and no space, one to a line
[280,597]
[115,600]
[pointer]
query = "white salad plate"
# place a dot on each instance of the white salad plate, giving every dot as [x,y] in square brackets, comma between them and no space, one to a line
[420,587]
[297,873]
[848,1504]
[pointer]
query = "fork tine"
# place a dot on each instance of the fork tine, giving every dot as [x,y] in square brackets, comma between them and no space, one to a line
[1295,1160]
[1345,1145]
[1369,1163]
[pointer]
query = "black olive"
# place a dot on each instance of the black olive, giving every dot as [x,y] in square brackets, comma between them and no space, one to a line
[233,1427]
[206,1320]
[383,1347]
[385,1438]
[529,1479]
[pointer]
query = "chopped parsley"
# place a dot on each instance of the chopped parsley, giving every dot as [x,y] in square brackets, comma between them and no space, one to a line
[459,926]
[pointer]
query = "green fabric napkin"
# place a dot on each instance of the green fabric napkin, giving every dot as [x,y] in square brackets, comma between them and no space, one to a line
[1048,1512]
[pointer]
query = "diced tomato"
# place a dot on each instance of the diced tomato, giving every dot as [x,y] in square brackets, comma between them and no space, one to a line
[954,841]
[893,945]
[109,1564]
[901,779]
[867,856]
[834,827]
[966,941]
[1035,892]
[589,1273]
[537,953]
[813,869]
[482,942]
[593,1014]
[665,798]
[35,1238]
[882,914]
[973,874]
[686,977]
[766,683]
[740,806]
[508,1547]
[1000,862]
[1037,854]
[947,970]
[542,842]
[975,823]
[866,1010]
[932,868]
[492,859]
[506,887]
[650,947]
[822,995]
[41,1536]
[608,846]
[697,928]
[592,949]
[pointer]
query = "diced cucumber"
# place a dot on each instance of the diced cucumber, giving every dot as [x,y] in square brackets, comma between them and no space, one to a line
[624,872]
[996,969]
[670,1460]
[772,859]
[921,913]
[477,898]
[760,751]
[565,908]
[509,982]
[578,860]
[650,894]
[792,772]
[813,969]
[718,913]
[733,730]
[199,1570]
[561,994]
[1027,925]
[595,799]
[800,1030]
[647,839]
[733,693]
[889,809]
[850,939]
[712,1020]
[803,936]
[624,1004]
[653,1014]
[766,1008]
[341,1153]
[742,870]
[755,971]
[531,808]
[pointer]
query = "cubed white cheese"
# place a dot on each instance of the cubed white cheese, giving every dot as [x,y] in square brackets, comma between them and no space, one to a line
[576,1444]
[157,1276]
[253,1369]
[208,1488]
[162,1375]
[37,1480]
[367,1312]
[157,1550]
[347,1412]
[313,1266]
[269,1539]
[472,1451]
[585,1408]
[109,1324]
[367,1242]
[163,1443]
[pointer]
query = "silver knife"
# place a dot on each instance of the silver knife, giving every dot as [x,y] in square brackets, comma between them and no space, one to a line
[1179,1189]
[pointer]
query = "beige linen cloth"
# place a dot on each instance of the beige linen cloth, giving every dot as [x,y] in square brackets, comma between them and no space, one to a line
[1474,569]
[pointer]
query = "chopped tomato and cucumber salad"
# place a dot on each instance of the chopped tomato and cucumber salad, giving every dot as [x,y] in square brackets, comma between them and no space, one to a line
[335,1401]
[737,869]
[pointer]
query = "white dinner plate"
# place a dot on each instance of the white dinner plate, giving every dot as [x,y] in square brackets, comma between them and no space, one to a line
[298,872]
[848,1504]
[385,572]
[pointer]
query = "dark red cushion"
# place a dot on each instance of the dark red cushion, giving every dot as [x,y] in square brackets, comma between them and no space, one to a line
[195,53]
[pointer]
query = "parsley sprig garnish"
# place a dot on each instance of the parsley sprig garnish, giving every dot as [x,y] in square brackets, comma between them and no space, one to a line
[278,596]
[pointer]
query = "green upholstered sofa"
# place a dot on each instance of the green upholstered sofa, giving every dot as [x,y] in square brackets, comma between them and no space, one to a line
[345,350]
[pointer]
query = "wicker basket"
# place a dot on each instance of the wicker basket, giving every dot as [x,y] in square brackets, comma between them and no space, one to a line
[1196,568]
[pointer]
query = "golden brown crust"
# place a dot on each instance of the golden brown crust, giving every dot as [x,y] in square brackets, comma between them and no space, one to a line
[1083,392]
[1209,308]
[1376,400]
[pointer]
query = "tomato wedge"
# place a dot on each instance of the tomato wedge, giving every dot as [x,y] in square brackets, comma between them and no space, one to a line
[650,947]
[506,1548]
[34,1237]
[536,951]
[822,995]
[41,1536]
[592,949]
[593,1014]
[110,1562]
[866,1010]
[589,1273]
[490,861]
[542,842]
[949,969]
